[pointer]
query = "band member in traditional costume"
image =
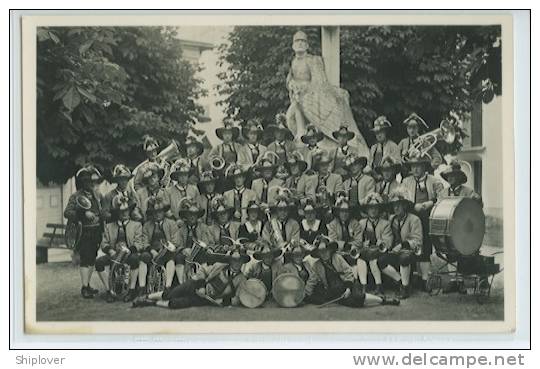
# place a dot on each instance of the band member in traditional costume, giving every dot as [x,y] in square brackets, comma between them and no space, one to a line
[415,124]
[457,178]
[358,184]
[181,187]
[152,174]
[123,240]
[294,260]
[407,230]
[194,151]
[384,146]
[332,278]
[340,153]
[84,206]
[121,176]
[281,228]
[223,228]
[282,139]
[323,180]
[376,237]
[311,139]
[150,148]
[239,196]
[387,170]
[266,186]
[207,189]
[230,149]
[311,226]
[296,166]
[252,132]
[424,189]
[215,283]
[158,230]
[267,266]
[252,228]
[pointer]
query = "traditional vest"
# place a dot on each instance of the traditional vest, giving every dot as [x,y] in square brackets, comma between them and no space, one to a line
[421,191]
[369,232]
[228,152]
[157,236]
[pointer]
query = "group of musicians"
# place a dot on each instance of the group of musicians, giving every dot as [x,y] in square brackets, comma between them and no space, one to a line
[246,211]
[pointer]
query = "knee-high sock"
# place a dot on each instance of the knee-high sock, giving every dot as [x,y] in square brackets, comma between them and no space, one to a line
[103,276]
[372,300]
[90,272]
[163,304]
[390,271]
[375,271]
[405,271]
[361,266]
[133,278]
[84,272]
[425,268]
[180,273]
[143,271]
[155,296]
[169,273]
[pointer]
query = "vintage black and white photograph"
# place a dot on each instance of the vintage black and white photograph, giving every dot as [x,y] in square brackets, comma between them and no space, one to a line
[304,171]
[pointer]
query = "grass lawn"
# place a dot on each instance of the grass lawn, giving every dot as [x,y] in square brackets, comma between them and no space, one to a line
[58,299]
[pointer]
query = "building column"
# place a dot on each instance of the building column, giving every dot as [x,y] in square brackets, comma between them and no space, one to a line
[330,52]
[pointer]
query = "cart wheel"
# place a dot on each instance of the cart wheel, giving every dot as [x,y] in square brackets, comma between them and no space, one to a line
[483,289]
[434,284]
[156,279]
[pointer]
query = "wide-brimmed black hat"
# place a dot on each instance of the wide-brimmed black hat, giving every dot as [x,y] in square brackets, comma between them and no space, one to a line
[252,126]
[381,123]
[400,194]
[343,130]
[416,159]
[296,158]
[238,255]
[265,251]
[151,169]
[388,162]
[190,206]
[193,141]
[415,119]
[353,158]
[228,126]
[324,243]
[89,172]
[372,199]
[156,203]
[312,132]
[454,169]
[280,125]
[121,171]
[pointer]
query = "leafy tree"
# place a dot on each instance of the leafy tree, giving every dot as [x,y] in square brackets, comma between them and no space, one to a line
[390,71]
[100,89]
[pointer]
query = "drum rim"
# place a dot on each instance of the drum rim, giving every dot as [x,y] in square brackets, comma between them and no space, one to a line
[287,275]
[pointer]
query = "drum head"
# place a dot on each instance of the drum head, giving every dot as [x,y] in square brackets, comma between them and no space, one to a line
[467,227]
[288,290]
[252,293]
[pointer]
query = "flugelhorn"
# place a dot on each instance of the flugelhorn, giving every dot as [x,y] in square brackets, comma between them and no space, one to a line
[83,202]
[424,143]
[217,163]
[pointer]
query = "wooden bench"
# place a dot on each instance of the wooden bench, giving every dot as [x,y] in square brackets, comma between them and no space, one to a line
[54,239]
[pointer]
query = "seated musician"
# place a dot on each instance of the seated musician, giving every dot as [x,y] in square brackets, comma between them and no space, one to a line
[342,136]
[457,178]
[332,279]
[252,132]
[213,284]
[281,229]
[375,236]
[158,230]
[383,146]
[282,139]
[151,186]
[294,260]
[296,166]
[239,196]
[267,266]
[180,188]
[224,228]
[232,151]
[424,189]
[311,226]
[207,189]
[190,229]
[252,228]
[121,176]
[311,139]
[322,179]
[122,240]
[407,230]
[266,186]
[358,184]
[388,170]
[194,151]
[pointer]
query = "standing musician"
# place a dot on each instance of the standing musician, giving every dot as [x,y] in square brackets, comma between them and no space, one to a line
[376,237]
[281,228]
[457,178]
[223,227]
[194,151]
[296,166]
[414,125]
[342,136]
[323,180]
[252,132]
[252,227]
[358,185]
[213,284]
[181,188]
[207,188]
[332,278]
[239,196]
[424,189]
[230,149]
[121,176]
[158,230]
[152,174]
[311,139]
[150,148]
[407,230]
[384,146]
[267,266]
[121,237]
[84,207]
[387,170]
[282,139]
[266,187]
[311,226]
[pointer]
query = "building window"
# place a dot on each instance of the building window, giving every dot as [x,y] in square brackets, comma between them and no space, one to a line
[53,201]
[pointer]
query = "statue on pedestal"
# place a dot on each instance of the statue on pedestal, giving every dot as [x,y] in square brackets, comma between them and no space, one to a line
[314,100]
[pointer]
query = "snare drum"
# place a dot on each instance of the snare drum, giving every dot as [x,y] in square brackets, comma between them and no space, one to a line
[252,293]
[457,226]
[288,290]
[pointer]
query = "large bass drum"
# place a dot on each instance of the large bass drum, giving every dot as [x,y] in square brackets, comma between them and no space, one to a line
[252,293]
[457,226]
[288,290]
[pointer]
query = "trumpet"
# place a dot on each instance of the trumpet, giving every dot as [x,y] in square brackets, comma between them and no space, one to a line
[424,143]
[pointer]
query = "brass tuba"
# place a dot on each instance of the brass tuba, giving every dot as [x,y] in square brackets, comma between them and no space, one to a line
[424,143]
[83,202]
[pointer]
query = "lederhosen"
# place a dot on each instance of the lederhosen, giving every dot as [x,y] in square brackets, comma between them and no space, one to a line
[158,235]
[207,215]
[378,154]
[281,152]
[369,253]
[252,234]
[392,258]
[354,201]
[339,160]
[238,204]
[333,288]
[132,259]
[91,234]
[421,195]
[228,153]
[346,238]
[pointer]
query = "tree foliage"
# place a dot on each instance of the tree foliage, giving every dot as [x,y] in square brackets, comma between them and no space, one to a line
[390,71]
[100,89]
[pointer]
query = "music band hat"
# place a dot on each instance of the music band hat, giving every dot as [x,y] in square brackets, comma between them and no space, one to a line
[228,127]
[150,143]
[312,131]
[343,130]
[454,169]
[415,119]
[381,123]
